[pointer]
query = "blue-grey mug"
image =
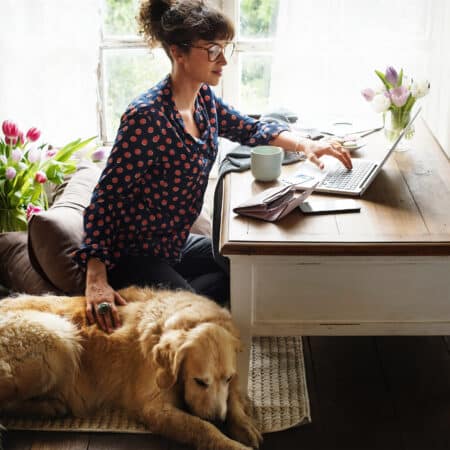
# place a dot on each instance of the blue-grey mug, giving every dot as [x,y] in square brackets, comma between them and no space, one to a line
[266,162]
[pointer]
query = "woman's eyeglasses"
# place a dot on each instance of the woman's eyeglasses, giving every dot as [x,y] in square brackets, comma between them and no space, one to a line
[215,50]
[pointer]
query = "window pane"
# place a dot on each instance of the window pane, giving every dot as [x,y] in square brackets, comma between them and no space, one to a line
[255,82]
[128,73]
[119,17]
[258,18]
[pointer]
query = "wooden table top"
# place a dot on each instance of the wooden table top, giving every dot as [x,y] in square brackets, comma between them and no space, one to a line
[406,210]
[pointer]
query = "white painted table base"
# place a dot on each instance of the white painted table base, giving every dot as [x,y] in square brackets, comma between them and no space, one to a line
[338,295]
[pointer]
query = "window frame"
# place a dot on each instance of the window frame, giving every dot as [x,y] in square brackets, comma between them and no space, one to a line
[232,76]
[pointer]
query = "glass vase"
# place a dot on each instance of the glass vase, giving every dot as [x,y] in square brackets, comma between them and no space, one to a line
[395,122]
[12,219]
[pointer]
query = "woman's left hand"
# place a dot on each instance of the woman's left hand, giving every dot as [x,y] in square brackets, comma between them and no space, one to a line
[315,149]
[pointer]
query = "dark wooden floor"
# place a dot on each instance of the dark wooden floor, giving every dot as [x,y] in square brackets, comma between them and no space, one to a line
[377,393]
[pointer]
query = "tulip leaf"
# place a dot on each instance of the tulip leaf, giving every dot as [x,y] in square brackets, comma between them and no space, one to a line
[400,78]
[55,174]
[68,150]
[383,79]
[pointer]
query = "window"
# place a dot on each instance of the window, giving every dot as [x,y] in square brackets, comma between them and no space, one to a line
[247,80]
[312,57]
[127,66]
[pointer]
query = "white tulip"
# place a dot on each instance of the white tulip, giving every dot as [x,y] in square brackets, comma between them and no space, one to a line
[34,155]
[381,103]
[420,88]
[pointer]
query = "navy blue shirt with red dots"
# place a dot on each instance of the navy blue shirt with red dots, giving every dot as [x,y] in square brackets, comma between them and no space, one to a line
[151,190]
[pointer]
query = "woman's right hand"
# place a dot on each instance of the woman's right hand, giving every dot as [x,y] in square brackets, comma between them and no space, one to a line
[106,318]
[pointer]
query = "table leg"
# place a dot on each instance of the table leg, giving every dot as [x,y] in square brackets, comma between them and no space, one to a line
[241,300]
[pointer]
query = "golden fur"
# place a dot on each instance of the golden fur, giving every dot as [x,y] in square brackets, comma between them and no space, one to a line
[172,364]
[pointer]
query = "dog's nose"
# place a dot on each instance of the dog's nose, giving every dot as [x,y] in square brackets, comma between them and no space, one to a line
[221,413]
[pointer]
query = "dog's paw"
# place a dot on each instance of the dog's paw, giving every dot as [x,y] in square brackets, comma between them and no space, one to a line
[244,430]
[51,407]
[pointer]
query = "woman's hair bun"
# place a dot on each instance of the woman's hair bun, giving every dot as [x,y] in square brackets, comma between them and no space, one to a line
[158,8]
[149,19]
[175,22]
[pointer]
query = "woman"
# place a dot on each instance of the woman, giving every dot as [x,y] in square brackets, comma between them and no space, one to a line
[151,190]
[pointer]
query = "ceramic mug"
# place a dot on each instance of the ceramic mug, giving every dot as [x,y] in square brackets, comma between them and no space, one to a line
[266,162]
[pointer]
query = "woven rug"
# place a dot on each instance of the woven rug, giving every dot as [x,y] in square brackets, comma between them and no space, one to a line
[277,388]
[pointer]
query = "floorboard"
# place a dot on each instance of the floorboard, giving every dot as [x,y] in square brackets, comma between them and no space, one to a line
[356,411]
[18,440]
[115,441]
[417,370]
[61,441]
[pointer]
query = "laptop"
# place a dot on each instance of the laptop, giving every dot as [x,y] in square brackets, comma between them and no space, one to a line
[339,180]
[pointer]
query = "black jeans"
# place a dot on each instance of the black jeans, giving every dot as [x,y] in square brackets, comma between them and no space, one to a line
[197,271]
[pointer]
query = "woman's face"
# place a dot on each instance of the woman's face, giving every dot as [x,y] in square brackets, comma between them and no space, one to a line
[204,61]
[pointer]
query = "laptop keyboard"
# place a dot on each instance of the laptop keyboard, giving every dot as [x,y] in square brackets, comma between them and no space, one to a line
[348,180]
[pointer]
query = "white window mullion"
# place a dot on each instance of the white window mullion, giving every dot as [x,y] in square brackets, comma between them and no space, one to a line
[230,82]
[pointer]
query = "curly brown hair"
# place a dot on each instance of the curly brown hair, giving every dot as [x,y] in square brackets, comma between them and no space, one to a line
[169,22]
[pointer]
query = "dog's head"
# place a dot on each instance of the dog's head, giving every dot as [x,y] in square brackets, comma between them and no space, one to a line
[202,360]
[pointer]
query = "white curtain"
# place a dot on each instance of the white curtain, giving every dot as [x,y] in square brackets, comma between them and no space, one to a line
[326,52]
[49,55]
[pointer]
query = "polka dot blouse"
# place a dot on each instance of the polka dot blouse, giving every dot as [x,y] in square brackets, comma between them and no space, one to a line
[151,190]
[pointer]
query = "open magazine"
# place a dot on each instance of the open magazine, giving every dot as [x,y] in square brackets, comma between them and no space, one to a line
[273,204]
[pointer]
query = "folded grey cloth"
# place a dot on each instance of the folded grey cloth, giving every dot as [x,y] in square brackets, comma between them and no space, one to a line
[238,160]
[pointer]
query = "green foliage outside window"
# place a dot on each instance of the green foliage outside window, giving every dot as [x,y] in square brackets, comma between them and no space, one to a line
[258,18]
[120,17]
[255,82]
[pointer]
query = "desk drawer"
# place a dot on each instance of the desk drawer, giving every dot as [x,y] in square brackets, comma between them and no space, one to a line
[349,290]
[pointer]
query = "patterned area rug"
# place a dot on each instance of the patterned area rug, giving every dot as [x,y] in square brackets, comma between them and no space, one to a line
[277,388]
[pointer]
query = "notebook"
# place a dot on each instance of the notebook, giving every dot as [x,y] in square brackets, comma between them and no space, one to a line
[336,179]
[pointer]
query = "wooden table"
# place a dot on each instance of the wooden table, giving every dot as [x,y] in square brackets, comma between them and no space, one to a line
[383,271]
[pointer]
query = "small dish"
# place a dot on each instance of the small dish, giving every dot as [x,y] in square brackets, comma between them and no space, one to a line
[351,145]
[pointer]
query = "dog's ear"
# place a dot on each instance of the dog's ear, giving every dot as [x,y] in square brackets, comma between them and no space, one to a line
[150,334]
[168,354]
[237,344]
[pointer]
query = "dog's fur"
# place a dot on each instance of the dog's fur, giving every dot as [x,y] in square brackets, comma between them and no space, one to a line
[172,365]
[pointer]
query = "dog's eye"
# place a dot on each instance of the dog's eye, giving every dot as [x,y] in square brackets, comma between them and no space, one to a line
[229,378]
[201,383]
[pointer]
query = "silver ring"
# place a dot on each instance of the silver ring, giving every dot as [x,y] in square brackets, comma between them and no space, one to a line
[104,308]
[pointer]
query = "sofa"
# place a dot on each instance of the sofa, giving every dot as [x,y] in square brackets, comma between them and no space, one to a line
[38,260]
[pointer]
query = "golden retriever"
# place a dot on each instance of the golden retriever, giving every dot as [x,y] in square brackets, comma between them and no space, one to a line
[172,365]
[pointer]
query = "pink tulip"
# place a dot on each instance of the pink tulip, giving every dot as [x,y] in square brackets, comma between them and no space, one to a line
[368,94]
[391,75]
[50,153]
[33,134]
[99,154]
[20,138]
[31,209]
[40,177]
[399,95]
[11,140]
[10,129]
[10,173]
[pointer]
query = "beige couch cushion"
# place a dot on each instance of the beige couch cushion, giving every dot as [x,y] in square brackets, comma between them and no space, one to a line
[54,234]
[16,272]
